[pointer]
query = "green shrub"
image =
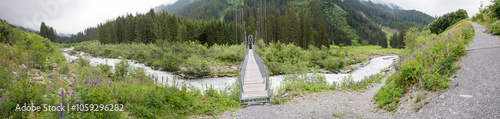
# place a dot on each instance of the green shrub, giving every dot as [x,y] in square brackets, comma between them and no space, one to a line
[83,61]
[197,66]
[171,62]
[434,81]
[442,23]
[64,69]
[122,67]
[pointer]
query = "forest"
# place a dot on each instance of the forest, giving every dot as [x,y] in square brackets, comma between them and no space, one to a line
[302,23]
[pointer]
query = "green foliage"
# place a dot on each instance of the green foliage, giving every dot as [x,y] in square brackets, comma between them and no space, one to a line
[495,9]
[413,37]
[197,66]
[437,56]
[83,61]
[348,82]
[442,23]
[300,85]
[122,67]
[494,28]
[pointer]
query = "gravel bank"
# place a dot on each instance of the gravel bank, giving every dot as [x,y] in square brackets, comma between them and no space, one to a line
[343,104]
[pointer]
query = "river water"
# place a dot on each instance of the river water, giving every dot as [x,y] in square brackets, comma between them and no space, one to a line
[373,67]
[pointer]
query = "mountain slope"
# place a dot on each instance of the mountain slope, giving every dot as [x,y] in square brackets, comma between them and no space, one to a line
[380,12]
[172,8]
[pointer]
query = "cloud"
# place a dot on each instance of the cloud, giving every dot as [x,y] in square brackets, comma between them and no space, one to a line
[437,7]
[71,16]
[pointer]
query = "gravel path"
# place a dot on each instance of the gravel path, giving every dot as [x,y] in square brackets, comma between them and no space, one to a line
[344,104]
[478,92]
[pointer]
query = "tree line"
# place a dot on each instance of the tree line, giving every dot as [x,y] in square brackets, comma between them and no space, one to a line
[307,26]
[48,32]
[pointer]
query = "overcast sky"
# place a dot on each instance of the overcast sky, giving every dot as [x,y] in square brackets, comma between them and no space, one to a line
[72,16]
[438,7]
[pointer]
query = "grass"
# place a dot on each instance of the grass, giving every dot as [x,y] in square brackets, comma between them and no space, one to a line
[427,66]
[338,114]
[347,82]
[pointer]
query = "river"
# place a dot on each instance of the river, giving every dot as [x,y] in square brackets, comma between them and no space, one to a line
[373,67]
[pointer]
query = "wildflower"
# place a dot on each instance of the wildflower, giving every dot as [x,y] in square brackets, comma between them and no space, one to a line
[3,62]
[110,84]
[455,85]
[48,87]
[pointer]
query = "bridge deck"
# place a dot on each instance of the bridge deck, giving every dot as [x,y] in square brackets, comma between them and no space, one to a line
[254,86]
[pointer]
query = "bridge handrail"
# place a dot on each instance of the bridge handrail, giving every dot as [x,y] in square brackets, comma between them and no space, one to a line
[263,69]
[241,73]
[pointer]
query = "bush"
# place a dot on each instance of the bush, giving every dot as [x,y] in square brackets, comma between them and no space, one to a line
[64,68]
[442,23]
[83,61]
[197,66]
[171,62]
[122,67]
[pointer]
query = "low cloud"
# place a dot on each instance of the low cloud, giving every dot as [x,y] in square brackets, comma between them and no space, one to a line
[71,16]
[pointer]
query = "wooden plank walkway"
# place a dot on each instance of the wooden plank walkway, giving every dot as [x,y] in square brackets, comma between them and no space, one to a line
[254,86]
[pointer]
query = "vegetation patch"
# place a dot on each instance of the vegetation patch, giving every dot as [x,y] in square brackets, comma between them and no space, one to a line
[428,65]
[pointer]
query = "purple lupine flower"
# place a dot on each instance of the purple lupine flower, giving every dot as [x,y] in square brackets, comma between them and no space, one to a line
[455,85]
[110,84]
[111,95]
[86,81]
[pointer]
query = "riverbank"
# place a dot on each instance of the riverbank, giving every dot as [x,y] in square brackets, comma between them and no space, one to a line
[191,60]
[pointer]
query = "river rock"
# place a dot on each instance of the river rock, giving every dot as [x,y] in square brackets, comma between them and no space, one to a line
[119,57]
[52,76]
[234,68]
